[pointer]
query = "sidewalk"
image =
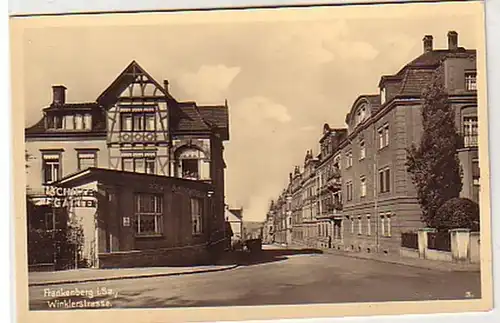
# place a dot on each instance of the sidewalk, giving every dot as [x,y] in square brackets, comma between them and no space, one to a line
[91,275]
[398,260]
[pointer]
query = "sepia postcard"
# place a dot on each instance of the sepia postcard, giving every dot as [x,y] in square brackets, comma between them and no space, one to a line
[266,163]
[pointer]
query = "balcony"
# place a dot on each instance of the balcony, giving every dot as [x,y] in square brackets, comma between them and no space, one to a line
[469,141]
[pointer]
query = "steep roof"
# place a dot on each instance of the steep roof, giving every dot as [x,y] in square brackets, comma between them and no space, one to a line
[416,72]
[230,215]
[127,76]
[190,117]
[187,116]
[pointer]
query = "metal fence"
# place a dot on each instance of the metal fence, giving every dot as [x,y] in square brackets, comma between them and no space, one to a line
[409,240]
[439,241]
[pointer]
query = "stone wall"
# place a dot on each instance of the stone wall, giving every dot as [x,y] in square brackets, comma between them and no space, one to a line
[186,256]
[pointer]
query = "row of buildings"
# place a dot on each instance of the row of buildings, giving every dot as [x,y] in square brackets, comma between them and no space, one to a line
[356,194]
[153,165]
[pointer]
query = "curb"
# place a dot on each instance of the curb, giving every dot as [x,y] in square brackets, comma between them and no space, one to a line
[352,255]
[413,265]
[74,281]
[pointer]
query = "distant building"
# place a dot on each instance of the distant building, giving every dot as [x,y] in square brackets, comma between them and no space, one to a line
[252,230]
[235,219]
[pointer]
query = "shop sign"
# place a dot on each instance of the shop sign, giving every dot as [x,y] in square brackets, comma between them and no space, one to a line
[70,197]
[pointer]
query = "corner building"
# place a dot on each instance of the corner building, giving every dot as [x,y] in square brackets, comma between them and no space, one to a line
[378,194]
[134,126]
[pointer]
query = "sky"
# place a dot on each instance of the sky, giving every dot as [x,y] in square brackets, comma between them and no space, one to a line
[283,79]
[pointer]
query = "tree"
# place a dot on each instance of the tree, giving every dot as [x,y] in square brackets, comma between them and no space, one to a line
[433,165]
[458,213]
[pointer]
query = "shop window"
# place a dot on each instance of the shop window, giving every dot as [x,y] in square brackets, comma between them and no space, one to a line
[148,214]
[197,215]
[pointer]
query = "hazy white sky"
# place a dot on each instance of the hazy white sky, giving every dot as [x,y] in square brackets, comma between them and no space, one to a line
[283,79]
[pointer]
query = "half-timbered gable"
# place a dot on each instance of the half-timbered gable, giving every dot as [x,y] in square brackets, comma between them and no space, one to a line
[137,122]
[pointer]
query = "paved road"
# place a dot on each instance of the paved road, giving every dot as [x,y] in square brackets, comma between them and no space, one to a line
[295,279]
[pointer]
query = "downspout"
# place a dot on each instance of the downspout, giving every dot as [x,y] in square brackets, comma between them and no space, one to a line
[171,164]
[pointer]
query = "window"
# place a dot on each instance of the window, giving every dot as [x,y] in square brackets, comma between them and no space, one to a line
[362,186]
[190,168]
[349,191]
[360,228]
[352,225]
[383,136]
[475,180]
[470,128]
[382,95]
[86,159]
[55,122]
[384,180]
[78,122]
[470,81]
[197,215]
[382,225]
[69,122]
[148,214]
[87,121]
[138,121]
[362,150]
[361,114]
[126,121]
[51,167]
[368,226]
[150,121]
[348,156]
[388,225]
[139,164]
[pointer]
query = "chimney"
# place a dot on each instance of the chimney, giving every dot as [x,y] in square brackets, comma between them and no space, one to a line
[58,94]
[428,43]
[166,86]
[452,40]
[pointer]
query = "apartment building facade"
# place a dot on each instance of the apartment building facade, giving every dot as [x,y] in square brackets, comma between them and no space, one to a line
[378,198]
[383,126]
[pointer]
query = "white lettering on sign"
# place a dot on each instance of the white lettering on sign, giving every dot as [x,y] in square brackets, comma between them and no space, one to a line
[61,197]
[68,202]
[54,191]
